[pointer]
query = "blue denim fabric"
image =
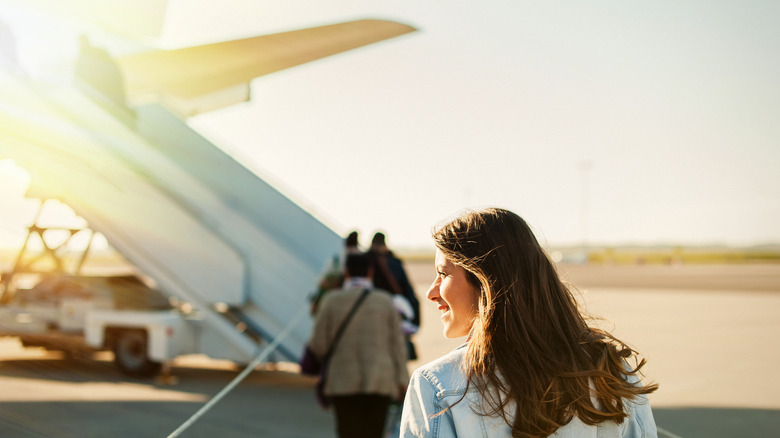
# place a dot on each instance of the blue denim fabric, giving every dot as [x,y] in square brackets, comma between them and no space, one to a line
[442,383]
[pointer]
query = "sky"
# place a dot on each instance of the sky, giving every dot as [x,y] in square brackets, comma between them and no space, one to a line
[606,122]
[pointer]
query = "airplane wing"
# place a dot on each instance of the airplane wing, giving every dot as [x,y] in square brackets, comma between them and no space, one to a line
[207,229]
[198,79]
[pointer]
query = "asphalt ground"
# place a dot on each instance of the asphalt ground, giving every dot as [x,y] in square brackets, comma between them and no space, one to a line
[709,334]
[44,395]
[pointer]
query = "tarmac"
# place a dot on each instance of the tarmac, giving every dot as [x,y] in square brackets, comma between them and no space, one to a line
[709,334]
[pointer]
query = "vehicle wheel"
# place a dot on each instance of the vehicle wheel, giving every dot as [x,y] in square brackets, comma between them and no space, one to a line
[130,353]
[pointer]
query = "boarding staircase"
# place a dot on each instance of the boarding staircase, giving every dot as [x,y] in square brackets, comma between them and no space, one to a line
[206,229]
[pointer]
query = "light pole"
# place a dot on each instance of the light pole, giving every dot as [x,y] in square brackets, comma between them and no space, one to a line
[585,167]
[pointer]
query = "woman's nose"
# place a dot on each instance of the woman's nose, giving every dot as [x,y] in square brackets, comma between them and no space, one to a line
[433,291]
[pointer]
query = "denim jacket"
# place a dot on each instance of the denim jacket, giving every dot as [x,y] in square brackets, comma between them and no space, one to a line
[441,383]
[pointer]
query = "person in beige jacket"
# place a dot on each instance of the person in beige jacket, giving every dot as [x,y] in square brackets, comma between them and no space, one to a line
[367,369]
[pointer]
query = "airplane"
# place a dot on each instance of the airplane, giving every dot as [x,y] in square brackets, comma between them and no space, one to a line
[113,143]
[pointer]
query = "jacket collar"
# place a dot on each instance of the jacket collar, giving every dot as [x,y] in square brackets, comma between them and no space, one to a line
[358,283]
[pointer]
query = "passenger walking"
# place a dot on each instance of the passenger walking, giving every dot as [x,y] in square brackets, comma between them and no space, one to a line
[333,275]
[391,276]
[367,368]
[531,366]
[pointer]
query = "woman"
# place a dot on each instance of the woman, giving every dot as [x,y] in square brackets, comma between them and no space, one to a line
[531,367]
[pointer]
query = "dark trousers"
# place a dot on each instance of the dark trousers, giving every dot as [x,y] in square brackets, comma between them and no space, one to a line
[361,415]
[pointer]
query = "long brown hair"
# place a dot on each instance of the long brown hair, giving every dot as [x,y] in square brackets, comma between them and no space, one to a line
[530,344]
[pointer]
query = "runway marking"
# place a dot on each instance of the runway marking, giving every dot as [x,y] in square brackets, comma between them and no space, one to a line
[667,433]
[249,368]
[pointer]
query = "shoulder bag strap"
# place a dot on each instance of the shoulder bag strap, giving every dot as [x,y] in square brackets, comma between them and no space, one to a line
[344,324]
